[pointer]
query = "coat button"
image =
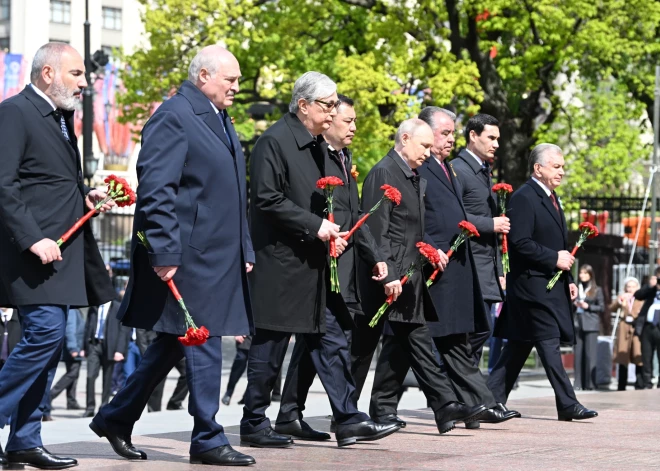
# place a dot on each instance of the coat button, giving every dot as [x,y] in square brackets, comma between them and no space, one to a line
[307,231]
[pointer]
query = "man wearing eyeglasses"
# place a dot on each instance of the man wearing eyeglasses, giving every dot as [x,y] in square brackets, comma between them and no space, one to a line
[290,286]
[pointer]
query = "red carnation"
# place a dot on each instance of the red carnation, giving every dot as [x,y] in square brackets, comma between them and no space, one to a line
[325,182]
[468,227]
[328,185]
[467,230]
[504,187]
[194,337]
[392,194]
[587,231]
[429,252]
[592,231]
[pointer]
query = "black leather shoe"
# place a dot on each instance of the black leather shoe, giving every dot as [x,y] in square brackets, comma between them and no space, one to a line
[122,445]
[504,408]
[174,407]
[73,406]
[576,412]
[472,425]
[242,401]
[447,416]
[46,418]
[495,415]
[365,431]
[88,413]
[390,419]
[333,425]
[301,429]
[222,456]
[226,399]
[266,438]
[276,397]
[38,458]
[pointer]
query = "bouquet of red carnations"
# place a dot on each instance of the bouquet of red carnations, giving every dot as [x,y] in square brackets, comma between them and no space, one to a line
[503,189]
[194,335]
[587,231]
[391,194]
[427,254]
[118,190]
[328,185]
[467,230]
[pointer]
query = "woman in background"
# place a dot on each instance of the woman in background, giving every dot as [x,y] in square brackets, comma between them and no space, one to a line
[628,347]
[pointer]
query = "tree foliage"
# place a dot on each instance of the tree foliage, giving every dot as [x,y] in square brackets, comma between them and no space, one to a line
[514,59]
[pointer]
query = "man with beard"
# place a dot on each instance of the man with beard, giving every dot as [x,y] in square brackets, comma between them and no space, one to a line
[41,196]
[397,229]
[301,371]
[291,287]
[472,167]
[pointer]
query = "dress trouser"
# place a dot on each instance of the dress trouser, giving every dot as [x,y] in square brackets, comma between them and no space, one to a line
[650,346]
[586,350]
[512,360]
[203,374]
[411,346]
[330,356]
[238,367]
[96,361]
[27,375]
[478,339]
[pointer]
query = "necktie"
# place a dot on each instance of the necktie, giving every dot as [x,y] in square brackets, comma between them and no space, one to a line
[221,117]
[444,167]
[65,131]
[415,181]
[4,353]
[342,159]
[101,323]
[554,202]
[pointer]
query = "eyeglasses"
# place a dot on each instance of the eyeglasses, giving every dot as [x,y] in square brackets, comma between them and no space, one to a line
[328,106]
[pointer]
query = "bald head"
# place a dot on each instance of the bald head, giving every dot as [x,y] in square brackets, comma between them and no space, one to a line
[413,141]
[215,71]
[58,70]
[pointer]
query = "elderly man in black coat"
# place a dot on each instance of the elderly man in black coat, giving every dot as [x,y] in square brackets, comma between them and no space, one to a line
[301,372]
[290,286]
[191,204]
[397,229]
[472,168]
[41,196]
[455,293]
[534,316]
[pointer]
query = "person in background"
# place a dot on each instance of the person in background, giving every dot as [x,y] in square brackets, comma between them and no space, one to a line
[10,332]
[646,326]
[589,304]
[73,347]
[628,347]
[133,356]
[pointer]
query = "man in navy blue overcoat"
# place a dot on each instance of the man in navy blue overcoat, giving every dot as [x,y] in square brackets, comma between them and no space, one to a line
[192,207]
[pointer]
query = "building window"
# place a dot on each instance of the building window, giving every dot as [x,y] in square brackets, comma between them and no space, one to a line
[112,18]
[60,11]
[5,7]
[4,44]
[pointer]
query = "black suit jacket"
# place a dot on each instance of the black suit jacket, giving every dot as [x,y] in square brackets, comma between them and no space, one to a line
[456,294]
[647,294]
[396,229]
[538,232]
[346,209]
[290,282]
[116,336]
[42,196]
[481,207]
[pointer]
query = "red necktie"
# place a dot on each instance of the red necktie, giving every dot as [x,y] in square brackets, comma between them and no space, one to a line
[554,202]
[442,164]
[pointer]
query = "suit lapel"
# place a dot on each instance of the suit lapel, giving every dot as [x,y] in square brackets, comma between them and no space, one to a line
[547,202]
[436,170]
[476,168]
[213,121]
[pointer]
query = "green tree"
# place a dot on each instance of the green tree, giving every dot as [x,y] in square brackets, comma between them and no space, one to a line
[508,58]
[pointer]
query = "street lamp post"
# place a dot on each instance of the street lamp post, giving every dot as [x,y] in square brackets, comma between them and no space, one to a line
[88,107]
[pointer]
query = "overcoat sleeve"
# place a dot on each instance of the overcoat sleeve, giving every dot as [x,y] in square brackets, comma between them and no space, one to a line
[520,237]
[366,245]
[379,222]
[14,214]
[159,169]
[269,180]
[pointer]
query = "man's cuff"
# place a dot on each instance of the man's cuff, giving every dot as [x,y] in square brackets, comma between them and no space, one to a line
[26,242]
[250,257]
[165,259]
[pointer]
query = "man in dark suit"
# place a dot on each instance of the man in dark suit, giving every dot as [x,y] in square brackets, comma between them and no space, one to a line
[106,342]
[291,289]
[192,207]
[455,293]
[397,230]
[472,169]
[534,316]
[647,327]
[301,372]
[41,196]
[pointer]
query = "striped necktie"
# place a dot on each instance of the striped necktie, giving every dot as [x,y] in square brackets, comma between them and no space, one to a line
[65,131]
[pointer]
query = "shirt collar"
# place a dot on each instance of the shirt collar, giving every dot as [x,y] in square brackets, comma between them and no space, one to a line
[404,160]
[44,96]
[542,185]
[478,159]
[214,108]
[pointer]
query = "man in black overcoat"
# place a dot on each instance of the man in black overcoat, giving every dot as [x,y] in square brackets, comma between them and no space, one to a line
[472,169]
[397,230]
[534,316]
[301,372]
[192,206]
[290,286]
[455,293]
[41,196]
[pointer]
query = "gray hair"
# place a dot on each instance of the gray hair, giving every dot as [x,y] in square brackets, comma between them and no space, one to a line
[205,59]
[539,153]
[428,115]
[48,54]
[311,86]
[410,127]
[629,279]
